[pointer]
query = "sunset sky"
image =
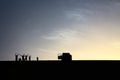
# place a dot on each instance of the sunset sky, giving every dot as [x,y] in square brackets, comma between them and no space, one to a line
[88,29]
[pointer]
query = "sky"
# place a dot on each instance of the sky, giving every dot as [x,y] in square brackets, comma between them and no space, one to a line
[88,29]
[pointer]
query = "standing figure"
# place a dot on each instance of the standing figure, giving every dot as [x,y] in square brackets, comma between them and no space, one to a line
[37,58]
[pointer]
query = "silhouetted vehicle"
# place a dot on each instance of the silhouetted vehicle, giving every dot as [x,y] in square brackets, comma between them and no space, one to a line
[65,57]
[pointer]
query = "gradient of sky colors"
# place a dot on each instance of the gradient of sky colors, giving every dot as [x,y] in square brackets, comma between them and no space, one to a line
[88,29]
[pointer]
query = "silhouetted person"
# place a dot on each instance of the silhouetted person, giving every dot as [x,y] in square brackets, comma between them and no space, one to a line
[25,57]
[37,58]
[65,57]
[16,57]
[29,58]
[20,59]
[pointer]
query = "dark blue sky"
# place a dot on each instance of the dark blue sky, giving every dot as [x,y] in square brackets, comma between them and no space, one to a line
[45,28]
[18,18]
